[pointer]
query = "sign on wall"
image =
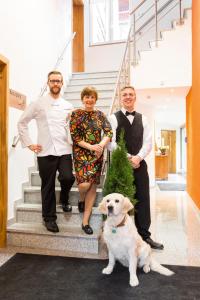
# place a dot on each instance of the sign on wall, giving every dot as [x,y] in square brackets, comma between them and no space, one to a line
[17,100]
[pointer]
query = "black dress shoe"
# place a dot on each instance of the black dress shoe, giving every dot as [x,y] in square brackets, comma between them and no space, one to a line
[51,226]
[67,207]
[87,229]
[81,206]
[153,244]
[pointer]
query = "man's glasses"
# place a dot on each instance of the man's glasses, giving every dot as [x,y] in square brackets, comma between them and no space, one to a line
[129,95]
[55,81]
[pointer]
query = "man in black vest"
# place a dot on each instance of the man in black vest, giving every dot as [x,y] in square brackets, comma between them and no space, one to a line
[139,144]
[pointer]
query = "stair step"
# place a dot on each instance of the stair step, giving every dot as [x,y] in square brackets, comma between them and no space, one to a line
[35,235]
[32,195]
[36,181]
[93,81]
[30,213]
[75,95]
[81,75]
[99,87]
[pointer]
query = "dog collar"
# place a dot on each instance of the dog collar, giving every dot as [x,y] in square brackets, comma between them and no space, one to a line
[122,223]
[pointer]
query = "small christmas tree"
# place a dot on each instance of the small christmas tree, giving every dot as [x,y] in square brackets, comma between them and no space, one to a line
[120,177]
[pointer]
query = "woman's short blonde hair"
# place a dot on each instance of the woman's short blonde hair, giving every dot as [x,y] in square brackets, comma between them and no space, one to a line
[89,91]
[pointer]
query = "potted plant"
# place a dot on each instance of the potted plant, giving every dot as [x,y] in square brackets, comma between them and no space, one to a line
[163,149]
[120,177]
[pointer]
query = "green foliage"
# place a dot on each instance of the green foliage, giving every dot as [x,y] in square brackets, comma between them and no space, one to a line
[120,177]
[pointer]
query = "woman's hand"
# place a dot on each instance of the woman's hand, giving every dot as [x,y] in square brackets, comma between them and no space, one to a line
[98,149]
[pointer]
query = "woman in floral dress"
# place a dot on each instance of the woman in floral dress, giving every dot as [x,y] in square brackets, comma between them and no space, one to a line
[86,127]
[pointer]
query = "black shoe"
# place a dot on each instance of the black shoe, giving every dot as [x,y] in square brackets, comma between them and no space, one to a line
[67,207]
[81,206]
[153,244]
[51,226]
[87,229]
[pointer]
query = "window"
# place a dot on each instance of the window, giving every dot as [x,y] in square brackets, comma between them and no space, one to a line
[109,20]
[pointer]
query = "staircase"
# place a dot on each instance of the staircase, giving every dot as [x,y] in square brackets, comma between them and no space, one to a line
[28,231]
[104,82]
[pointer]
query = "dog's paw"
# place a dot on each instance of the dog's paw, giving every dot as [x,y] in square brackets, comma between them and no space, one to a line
[108,270]
[134,281]
[146,269]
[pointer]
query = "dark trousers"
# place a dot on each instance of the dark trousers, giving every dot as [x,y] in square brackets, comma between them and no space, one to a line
[48,165]
[142,208]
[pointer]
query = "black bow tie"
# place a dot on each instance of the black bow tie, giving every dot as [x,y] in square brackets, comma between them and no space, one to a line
[130,113]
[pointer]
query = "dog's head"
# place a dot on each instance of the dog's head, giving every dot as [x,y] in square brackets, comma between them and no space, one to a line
[115,204]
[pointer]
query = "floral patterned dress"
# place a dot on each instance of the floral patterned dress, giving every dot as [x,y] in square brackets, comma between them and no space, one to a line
[88,126]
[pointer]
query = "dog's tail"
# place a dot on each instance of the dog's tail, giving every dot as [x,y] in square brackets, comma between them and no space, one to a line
[155,266]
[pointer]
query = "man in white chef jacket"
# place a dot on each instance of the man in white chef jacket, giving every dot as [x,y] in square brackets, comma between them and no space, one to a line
[54,153]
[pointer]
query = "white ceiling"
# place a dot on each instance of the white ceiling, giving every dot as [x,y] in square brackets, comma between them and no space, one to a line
[168,104]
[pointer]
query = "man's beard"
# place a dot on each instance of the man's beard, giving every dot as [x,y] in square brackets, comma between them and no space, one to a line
[55,90]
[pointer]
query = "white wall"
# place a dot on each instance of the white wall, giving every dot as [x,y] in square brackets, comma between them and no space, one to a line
[33,34]
[103,57]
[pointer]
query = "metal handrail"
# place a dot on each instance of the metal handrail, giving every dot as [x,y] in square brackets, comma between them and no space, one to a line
[60,58]
[119,76]
[129,56]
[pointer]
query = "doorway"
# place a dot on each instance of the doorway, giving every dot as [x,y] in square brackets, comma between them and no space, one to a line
[3,148]
[169,139]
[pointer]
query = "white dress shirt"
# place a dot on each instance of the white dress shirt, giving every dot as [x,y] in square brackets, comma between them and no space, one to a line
[51,116]
[147,136]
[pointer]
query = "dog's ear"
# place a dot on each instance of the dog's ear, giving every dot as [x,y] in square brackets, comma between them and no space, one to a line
[127,205]
[102,207]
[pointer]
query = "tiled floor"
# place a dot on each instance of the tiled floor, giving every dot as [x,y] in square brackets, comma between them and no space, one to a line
[174,178]
[175,222]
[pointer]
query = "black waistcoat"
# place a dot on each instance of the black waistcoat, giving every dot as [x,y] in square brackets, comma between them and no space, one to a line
[133,132]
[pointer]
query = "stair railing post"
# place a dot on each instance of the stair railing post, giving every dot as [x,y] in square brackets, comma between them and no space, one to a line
[156,22]
[118,96]
[180,12]
[134,40]
[124,71]
[129,62]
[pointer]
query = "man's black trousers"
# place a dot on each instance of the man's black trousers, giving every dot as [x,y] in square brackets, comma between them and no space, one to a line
[48,166]
[142,208]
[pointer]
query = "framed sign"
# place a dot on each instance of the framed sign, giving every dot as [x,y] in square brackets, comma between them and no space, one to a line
[17,100]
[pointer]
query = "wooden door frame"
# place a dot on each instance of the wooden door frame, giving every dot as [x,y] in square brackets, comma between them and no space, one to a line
[170,133]
[4,65]
[78,42]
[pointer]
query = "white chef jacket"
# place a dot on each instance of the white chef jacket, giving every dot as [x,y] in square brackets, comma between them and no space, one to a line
[51,116]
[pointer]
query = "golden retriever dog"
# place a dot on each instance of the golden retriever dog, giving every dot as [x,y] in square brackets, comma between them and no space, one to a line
[123,241]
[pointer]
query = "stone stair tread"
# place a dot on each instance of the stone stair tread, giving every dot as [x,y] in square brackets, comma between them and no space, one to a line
[30,188]
[38,207]
[92,76]
[39,229]
[92,72]
[74,82]
[36,172]
[102,90]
